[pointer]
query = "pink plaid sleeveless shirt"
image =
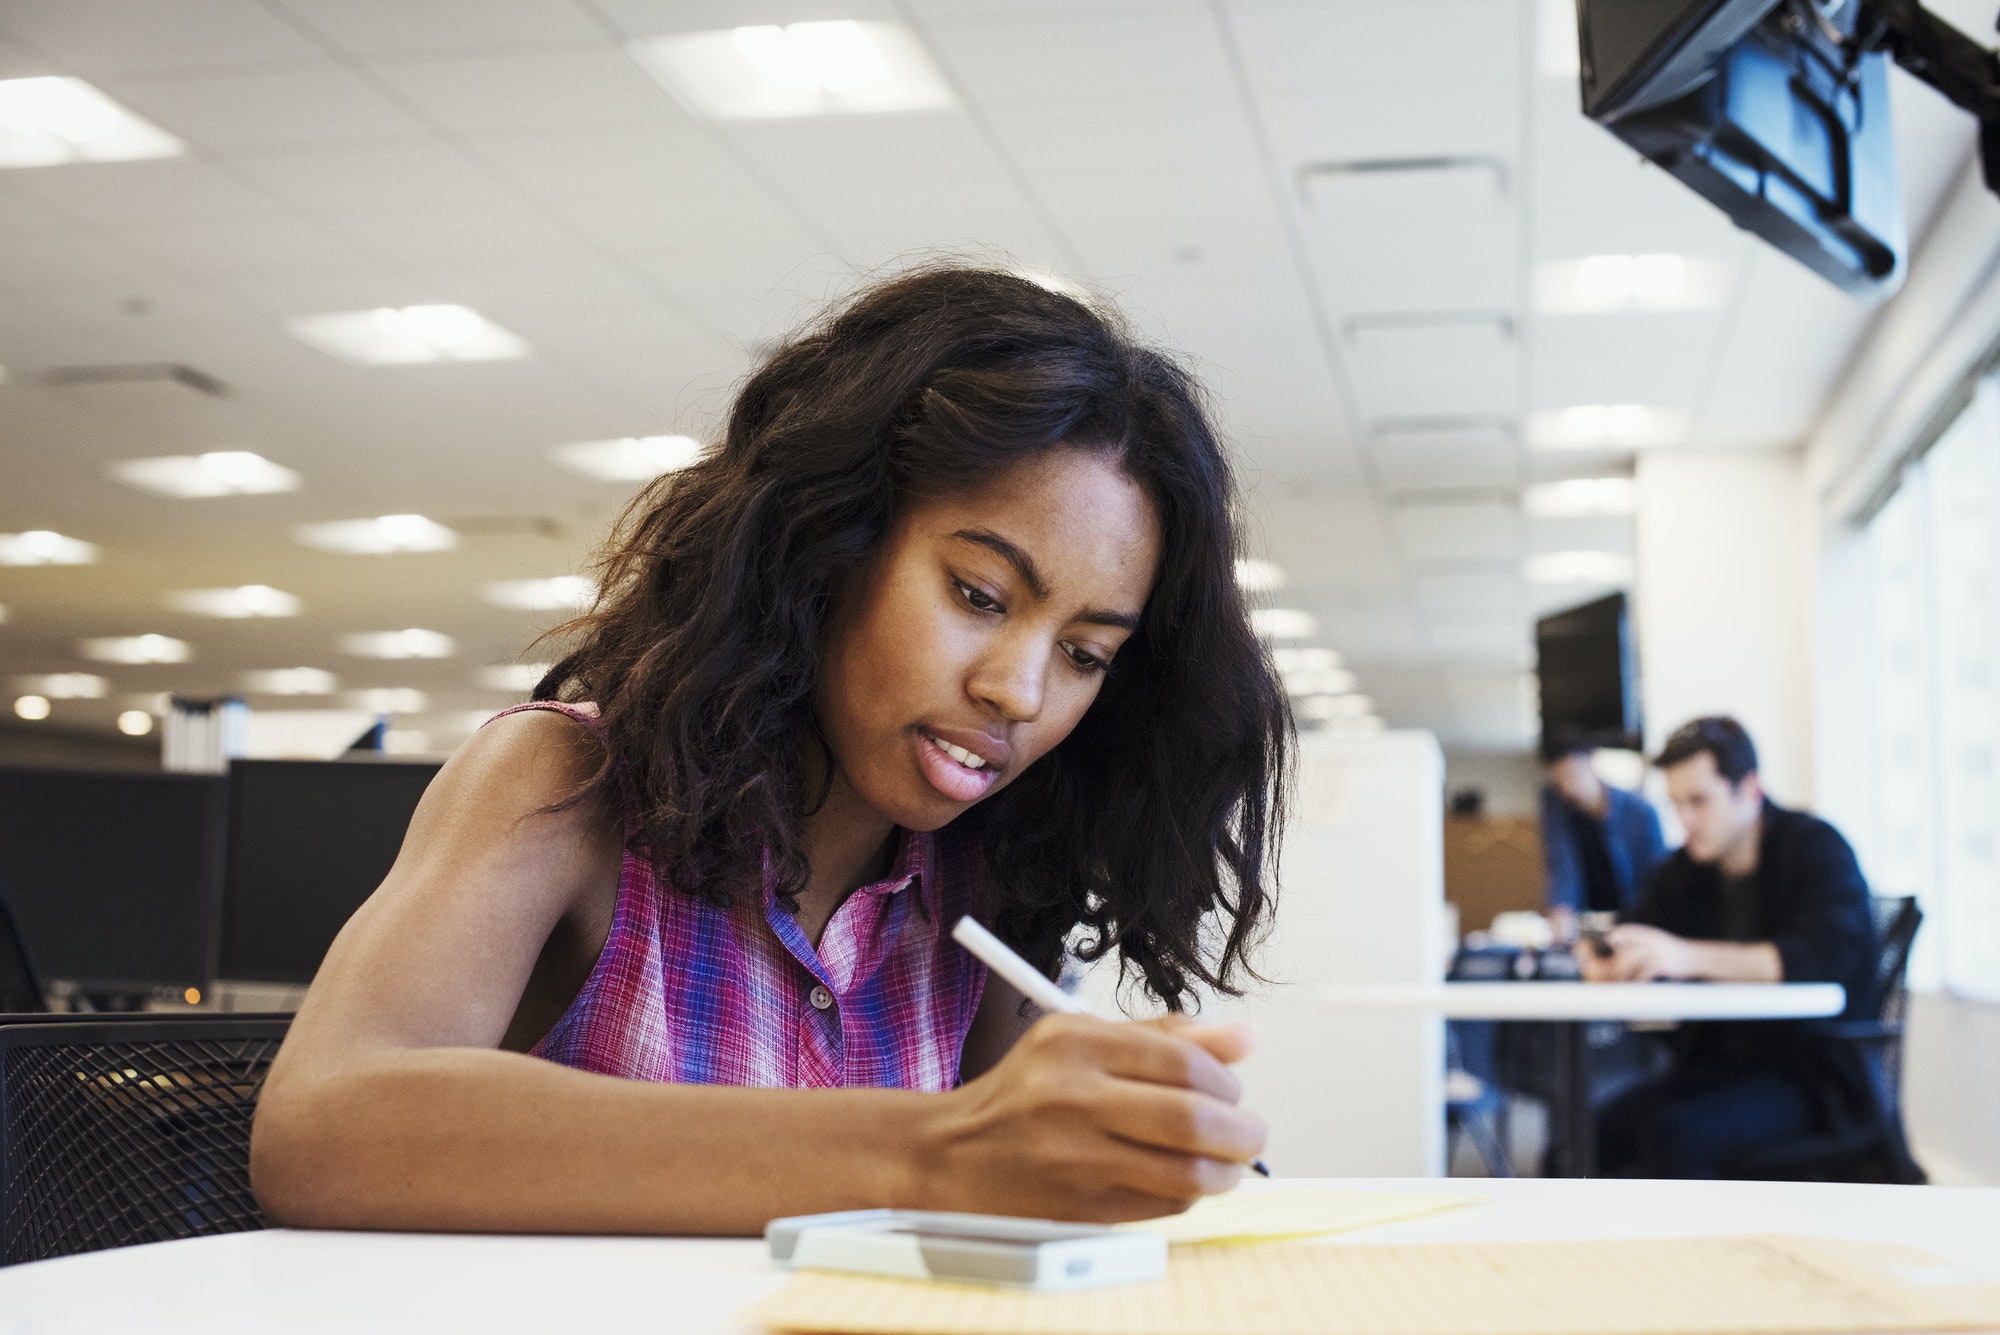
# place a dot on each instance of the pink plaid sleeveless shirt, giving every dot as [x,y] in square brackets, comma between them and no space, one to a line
[694,994]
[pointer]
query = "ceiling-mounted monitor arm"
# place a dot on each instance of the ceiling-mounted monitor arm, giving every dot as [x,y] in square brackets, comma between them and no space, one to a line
[1943,57]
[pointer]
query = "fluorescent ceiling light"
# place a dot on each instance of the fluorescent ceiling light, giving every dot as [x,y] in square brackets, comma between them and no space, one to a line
[1326,681]
[408,336]
[135,723]
[767,72]
[65,685]
[1589,426]
[33,708]
[138,649]
[1259,576]
[412,643]
[1579,496]
[1329,707]
[378,536]
[1283,623]
[632,459]
[217,473]
[1308,659]
[248,600]
[291,681]
[562,593]
[1602,284]
[516,677]
[40,547]
[1578,568]
[389,700]
[51,121]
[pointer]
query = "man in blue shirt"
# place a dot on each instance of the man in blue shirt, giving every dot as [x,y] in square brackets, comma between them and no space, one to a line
[1599,843]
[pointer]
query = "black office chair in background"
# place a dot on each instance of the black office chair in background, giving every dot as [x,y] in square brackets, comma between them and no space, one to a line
[117,1130]
[20,987]
[1874,1149]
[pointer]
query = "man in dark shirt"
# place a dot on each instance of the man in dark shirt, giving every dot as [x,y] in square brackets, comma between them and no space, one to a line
[1599,843]
[1759,894]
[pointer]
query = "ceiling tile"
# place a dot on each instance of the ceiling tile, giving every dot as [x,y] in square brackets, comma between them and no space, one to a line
[380,181]
[542,90]
[1449,368]
[1085,59]
[314,103]
[645,18]
[1432,454]
[397,27]
[1458,531]
[853,151]
[116,37]
[1192,133]
[143,193]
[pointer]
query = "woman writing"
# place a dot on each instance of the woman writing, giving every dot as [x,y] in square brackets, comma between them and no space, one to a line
[946,624]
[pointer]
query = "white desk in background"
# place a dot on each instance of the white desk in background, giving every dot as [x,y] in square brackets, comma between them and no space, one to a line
[328,1283]
[1572,1006]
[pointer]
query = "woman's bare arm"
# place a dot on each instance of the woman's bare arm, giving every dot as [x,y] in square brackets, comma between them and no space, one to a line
[390,1105]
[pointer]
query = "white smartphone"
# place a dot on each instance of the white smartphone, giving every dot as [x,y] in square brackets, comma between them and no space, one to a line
[969,1248]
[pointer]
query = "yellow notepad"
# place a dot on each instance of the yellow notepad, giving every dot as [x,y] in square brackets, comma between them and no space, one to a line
[1681,1286]
[1289,1213]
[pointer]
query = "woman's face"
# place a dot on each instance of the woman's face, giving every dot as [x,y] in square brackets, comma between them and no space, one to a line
[980,633]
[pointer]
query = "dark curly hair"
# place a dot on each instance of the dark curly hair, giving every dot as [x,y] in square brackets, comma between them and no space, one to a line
[1154,824]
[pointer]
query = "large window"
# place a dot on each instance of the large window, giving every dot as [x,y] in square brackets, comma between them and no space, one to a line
[1934,617]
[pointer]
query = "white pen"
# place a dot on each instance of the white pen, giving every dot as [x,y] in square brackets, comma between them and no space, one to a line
[1026,979]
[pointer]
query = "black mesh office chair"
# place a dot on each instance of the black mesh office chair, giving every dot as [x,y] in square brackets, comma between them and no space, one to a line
[120,1130]
[1874,1149]
[20,987]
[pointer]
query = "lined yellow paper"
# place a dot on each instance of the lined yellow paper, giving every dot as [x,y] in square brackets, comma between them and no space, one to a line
[1283,1213]
[1681,1286]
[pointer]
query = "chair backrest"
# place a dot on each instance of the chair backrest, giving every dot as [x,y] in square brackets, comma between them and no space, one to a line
[20,988]
[1896,921]
[114,1132]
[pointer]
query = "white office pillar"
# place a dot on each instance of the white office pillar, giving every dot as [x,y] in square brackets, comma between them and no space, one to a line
[1724,602]
[1351,1094]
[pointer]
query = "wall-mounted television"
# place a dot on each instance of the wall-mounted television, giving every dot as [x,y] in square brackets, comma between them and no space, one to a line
[1587,661]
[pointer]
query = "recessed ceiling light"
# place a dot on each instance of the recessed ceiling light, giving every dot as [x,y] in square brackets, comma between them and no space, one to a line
[562,593]
[1325,681]
[1579,496]
[1310,658]
[291,681]
[768,72]
[135,723]
[51,121]
[379,536]
[389,700]
[1259,576]
[1606,426]
[65,685]
[411,643]
[632,459]
[137,649]
[216,473]
[33,708]
[248,600]
[1283,623]
[408,336]
[1327,708]
[40,547]
[518,677]
[1578,568]
[1604,284]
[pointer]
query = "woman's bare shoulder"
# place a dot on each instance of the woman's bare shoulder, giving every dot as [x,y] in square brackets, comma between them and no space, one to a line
[532,762]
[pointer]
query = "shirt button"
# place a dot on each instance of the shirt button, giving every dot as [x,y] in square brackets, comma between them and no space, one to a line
[821,998]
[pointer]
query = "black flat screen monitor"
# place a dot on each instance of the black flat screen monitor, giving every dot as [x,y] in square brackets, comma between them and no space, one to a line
[1589,671]
[113,876]
[309,840]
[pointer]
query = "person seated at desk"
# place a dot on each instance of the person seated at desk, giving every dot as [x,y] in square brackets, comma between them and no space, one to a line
[1758,894]
[947,624]
[1599,843]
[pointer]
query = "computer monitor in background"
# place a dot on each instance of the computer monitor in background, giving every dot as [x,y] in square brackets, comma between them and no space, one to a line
[114,877]
[1589,671]
[309,840]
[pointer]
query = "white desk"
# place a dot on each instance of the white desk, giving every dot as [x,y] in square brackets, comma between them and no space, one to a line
[1570,1006]
[1597,1001]
[327,1283]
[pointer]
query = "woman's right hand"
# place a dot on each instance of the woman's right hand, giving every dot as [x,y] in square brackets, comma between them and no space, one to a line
[1091,1119]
